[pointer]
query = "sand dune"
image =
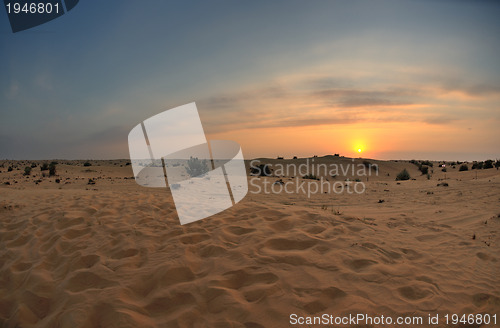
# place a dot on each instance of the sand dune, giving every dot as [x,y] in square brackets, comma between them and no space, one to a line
[113,254]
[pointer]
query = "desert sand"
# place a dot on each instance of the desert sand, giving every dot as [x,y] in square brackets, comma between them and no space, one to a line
[113,254]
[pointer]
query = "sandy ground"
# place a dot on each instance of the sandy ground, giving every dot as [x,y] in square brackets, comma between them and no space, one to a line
[113,254]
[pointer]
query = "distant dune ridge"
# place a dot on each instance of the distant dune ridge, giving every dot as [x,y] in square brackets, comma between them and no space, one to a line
[88,247]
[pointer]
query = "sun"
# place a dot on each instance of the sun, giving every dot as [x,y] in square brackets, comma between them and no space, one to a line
[358,147]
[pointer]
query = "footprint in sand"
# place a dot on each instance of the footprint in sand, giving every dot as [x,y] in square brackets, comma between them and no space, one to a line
[240,278]
[284,244]
[64,223]
[88,280]
[175,302]
[175,275]
[360,264]
[210,251]
[21,266]
[124,253]
[235,230]
[75,233]
[413,293]
[194,238]
[39,305]
[84,262]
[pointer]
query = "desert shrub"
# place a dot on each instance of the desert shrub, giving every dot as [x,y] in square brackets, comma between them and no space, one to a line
[463,167]
[428,176]
[262,170]
[443,169]
[280,157]
[424,169]
[415,162]
[488,164]
[10,169]
[87,164]
[403,175]
[44,167]
[27,170]
[195,167]
[428,163]
[294,157]
[477,165]
[52,169]
[33,165]
[310,176]
[497,163]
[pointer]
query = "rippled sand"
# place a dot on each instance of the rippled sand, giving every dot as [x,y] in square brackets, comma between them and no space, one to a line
[113,254]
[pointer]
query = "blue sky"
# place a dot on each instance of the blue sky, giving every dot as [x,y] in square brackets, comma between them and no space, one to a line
[404,79]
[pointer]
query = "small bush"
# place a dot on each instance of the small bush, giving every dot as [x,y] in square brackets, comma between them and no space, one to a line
[44,167]
[403,175]
[87,164]
[477,165]
[27,170]
[463,167]
[10,169]
[195,167]
[488,164]
[52,169]
[424,169]
[428,163]
[310,176]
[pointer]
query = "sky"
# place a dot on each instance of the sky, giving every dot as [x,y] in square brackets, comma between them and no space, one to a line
[376,79]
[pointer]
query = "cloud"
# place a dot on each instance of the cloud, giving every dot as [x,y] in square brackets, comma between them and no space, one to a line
[439,119]
[307,103]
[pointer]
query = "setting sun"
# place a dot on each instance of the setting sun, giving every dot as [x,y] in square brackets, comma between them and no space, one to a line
[359,150]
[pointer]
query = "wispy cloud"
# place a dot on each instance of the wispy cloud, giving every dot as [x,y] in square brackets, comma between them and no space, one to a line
[312,102]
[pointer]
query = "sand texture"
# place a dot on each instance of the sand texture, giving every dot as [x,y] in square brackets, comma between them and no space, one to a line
[113,254]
